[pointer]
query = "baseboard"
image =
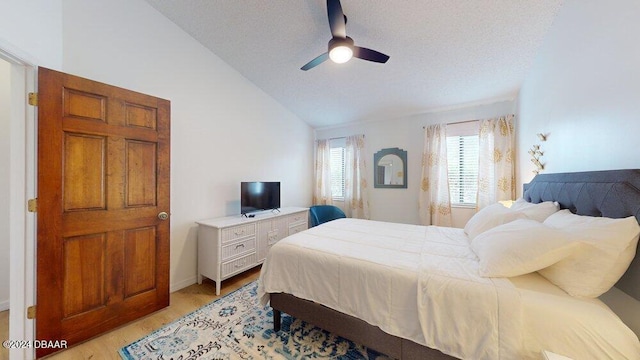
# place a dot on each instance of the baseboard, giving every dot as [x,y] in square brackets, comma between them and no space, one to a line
[4,305]
[182,284]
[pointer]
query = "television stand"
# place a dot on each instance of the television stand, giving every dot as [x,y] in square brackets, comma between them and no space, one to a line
[230,245]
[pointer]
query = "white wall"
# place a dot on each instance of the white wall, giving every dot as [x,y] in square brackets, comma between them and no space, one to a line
[401,205]
[5,130]
[32,30]
[584,90]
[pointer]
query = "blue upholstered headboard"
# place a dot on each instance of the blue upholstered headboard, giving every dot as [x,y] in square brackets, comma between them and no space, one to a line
[613,193]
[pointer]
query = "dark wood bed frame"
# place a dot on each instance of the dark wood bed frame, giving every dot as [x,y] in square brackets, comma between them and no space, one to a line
[614,194]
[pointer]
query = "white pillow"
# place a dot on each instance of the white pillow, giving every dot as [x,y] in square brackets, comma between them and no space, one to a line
[538,212]
[521,247]
[490,217]
[609,246]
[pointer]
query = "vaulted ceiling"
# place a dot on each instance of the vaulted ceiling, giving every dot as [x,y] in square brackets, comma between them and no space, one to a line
[444,53]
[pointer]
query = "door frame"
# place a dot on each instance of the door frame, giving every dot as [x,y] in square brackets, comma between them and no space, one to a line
[22,185]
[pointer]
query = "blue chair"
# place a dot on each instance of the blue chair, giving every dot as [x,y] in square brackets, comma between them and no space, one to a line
[322,213]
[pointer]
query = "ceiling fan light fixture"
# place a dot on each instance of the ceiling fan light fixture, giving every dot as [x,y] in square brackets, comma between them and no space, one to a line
[340,49]
[341,54]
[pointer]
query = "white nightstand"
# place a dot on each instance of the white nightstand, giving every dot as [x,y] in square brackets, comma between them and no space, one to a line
[548,355]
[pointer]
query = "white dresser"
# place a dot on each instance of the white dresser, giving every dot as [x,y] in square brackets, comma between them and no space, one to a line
[230,245]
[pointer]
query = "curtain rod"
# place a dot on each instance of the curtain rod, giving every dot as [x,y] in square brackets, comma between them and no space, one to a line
[336,138]
[458,122]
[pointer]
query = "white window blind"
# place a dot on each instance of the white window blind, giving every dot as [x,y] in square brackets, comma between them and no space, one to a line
[462,158]
[337,172]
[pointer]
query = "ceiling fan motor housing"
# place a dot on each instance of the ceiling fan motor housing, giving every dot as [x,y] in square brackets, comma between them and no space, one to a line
[337,41]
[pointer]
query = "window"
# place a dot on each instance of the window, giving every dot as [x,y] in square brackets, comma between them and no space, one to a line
[337,170]
[462,158]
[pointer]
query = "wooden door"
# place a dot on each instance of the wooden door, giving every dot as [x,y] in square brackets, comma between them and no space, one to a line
[103,180]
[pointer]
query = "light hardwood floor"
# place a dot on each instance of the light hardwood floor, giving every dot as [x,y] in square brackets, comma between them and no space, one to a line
[4,333]
[182,302]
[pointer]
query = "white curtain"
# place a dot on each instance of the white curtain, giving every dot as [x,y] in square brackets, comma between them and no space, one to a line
[434,202]
[496,166]
[322,188]
[355,182]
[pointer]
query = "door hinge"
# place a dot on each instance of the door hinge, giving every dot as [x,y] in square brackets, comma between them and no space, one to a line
[32,205]
[33,99]
[31,312]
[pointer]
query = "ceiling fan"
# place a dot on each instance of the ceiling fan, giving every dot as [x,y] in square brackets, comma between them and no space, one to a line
[341,47]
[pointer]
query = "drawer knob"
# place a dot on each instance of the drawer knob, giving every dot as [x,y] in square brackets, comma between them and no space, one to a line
[239,246]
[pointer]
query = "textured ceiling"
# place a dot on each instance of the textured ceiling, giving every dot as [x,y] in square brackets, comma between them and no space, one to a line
[444,53]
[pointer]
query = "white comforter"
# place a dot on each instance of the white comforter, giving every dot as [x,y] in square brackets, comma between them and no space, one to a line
[416,282]
[461,313]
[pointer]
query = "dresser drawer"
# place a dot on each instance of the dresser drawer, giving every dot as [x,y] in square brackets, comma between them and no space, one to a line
[240,264]
[297,218]
[238,232]
[272,237]
[237,248]
[297,228]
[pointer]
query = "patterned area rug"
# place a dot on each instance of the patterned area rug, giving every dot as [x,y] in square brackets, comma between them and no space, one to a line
[237,327]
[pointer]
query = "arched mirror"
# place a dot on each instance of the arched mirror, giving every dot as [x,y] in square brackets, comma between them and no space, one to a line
[390,168]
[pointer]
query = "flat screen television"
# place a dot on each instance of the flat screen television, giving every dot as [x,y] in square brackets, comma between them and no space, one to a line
[258,196]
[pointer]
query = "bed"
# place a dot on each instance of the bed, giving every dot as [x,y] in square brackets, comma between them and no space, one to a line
[507,317]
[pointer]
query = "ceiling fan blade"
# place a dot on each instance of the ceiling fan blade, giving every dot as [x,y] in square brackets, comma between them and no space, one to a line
[370,55]
[337,21]
[315,62]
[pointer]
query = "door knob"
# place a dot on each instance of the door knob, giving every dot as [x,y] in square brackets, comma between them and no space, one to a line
[163,216]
